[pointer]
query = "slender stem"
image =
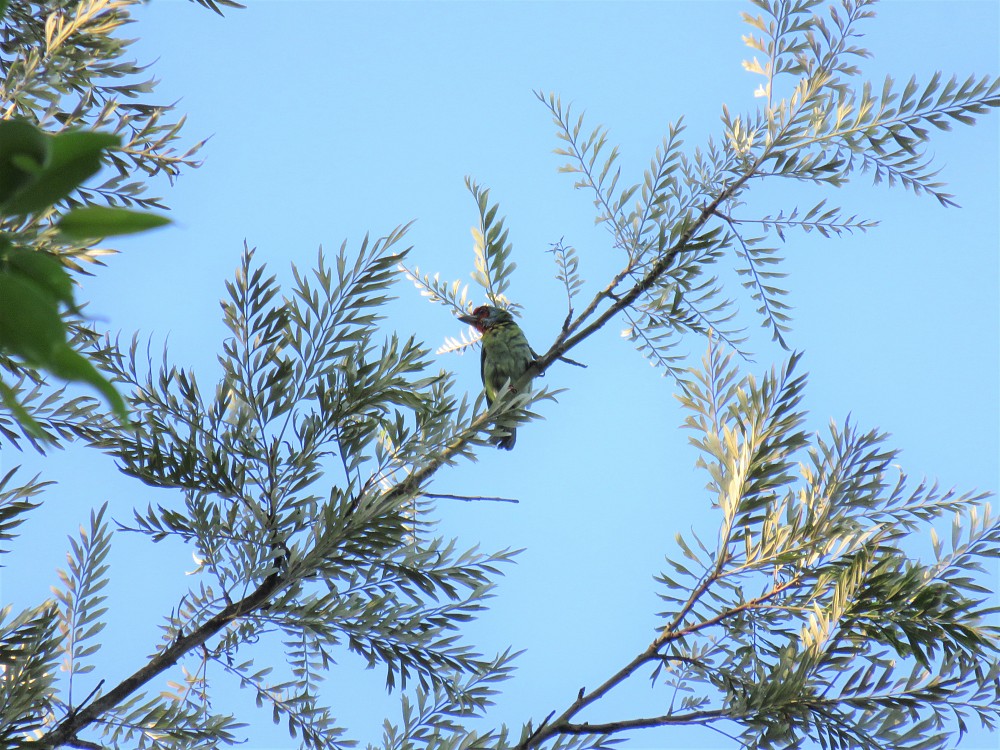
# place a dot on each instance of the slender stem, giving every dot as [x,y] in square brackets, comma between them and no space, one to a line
[575,334]
[471,498]
[610,727]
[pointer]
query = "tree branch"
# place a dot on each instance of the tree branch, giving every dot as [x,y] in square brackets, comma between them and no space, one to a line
[85,744]
[471,498]
[64,733]
[568,339]
[611,727]
[563,725]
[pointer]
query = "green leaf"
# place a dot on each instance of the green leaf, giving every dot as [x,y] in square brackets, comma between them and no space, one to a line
[24,149]
[43,268]
[32,329]
[30,326]
[94,222]
[9,399]
[73,157]
[69,364]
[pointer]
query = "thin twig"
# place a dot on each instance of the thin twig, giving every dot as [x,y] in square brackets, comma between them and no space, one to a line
[569,361]
[92,693]
[470,498]
[610,727]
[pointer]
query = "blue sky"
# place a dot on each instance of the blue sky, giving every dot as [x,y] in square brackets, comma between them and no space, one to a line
[329,120]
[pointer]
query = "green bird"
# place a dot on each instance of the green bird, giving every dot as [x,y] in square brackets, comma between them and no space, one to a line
[506,355]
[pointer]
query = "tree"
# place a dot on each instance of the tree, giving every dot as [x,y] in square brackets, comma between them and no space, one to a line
[305,472]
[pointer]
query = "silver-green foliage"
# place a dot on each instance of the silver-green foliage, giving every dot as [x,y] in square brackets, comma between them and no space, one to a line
[297,481]
[810,617]
[297,476]
[492,271]
[818,122]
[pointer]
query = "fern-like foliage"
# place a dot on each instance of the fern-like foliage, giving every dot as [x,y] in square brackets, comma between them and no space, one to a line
[29,657]
[596,168]
[807,619]
[492,250]
[297,474]
[567,265]
[645,220]
[16,501]
[65,67]
[818,122]
[492,270]
[454,294]
[300,497]
[828,128]
[218,5]
[81,603]
[435,718]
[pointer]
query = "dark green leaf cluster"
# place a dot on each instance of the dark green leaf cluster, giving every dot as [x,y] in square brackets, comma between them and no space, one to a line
[29,656]
[64,66]
[56,415]
[40,171]
[74,107]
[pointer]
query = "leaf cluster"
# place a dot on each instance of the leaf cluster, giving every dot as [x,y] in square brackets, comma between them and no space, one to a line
[298,480]
[63,66]
[40,170]
[29,654]
[74,107]
[297,476]
[683,230]
[810,618]
[492,269]
[218,5]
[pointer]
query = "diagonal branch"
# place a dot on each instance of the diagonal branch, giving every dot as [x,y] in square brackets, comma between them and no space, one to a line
[611,727]
[64,733]
[564,725]
[577,332]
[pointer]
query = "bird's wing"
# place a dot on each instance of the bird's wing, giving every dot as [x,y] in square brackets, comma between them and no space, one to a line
[482,372]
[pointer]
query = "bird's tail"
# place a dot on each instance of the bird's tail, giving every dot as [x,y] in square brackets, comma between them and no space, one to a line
[505,441]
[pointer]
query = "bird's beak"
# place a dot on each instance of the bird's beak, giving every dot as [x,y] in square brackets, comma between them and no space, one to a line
[467,319]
